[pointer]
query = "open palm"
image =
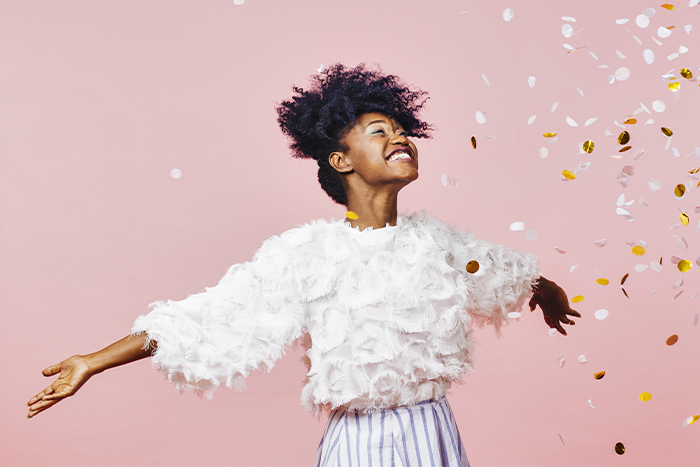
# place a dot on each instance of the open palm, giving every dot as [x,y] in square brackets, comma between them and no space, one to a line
[73,373]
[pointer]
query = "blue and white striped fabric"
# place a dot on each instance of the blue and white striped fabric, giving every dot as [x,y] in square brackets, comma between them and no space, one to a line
[421,435]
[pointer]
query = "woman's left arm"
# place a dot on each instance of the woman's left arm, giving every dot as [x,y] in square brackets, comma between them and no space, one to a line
[554,304]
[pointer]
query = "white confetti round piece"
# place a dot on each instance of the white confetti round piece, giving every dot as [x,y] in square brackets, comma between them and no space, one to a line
[517,226]
[508,14]
[649,12]
[663,32]
[544,152]
[531,235]
[648,56]
[480,117]
[655,184]
[569,18]
[513,315]
[640,267]
[622,21]
[571,121]
[531,81]
[642,21]
[240,2]
[567,30]
[622,73]
[601,314]
[531,119]
[659,106]
[175,173]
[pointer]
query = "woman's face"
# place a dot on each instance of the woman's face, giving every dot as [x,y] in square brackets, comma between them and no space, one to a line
[378,152]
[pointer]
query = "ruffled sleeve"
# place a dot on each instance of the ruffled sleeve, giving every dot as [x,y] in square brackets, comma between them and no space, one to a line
[501,284]
[219,336]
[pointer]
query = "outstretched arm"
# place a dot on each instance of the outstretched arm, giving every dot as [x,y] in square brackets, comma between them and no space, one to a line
[76,370]
[554,304]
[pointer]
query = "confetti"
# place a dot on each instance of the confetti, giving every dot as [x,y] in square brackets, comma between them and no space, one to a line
[658,106]
[623,138]
[601,242]
[508,14]
[686,73]
[645,397]
[655,184]
[531,235]
[672,339]
[517,226]
[663,32]
[449,181]
[569,18]
[638,250]
[561,361]
[543,152]
[562,439]
[480,117]
[656,267]
[624,278]
[513,315]
[685,221]
[571,122]
[588,146]
[667,6]
[175,173]
[690,420]
[577,299]
[472,266]
[531,81]
[591,403]
[240,2]
[648,55]
[619,448]
[621,21]
[559,250]
[590,121]
[601,314]
[649,12]
[572,268]
[674,86]
[630,121]
[696,318]
[595,57]
[568,175]
[640,267]
[599,375]
[486,80]
[567,30]
[620,54]
[351,215]
[625,149]
[474,142]
[684,265]
[549,135]
[679,191]
[582,359]
[554,106]
[642,21]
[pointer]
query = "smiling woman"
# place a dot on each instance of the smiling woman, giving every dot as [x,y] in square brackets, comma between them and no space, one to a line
[383,303]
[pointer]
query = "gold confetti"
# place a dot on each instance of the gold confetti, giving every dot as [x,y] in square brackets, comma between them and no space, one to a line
[638,250]
[666,131]
[674,86]
[549,135]
[472,266]
[588,146]
[644,397]
[630,121]
[624,138]
[473,142]
[626,148]
[668,6]
[672,340]
[624,278]
[602,281]
[684,265]
[599,375]
[670,27]
[625,292]
[577,299]
[679,191]
[684,218]
[691,420]
[620,448]
[686,73]
[351,215]
[694,171]
[569,175]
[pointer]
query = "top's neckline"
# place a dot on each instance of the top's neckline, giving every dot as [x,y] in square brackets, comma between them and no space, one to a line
[372,229]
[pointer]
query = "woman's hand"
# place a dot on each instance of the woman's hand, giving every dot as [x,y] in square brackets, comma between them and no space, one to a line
[554,304]
[74,372]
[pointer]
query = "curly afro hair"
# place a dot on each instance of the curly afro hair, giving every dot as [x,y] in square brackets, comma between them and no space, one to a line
[317,119]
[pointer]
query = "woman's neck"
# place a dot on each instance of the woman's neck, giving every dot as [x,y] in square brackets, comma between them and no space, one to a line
[375,211]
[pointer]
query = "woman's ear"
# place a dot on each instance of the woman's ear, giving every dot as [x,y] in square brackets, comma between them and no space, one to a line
[340,162]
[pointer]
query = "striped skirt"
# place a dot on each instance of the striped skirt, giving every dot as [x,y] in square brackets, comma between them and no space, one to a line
[421,435]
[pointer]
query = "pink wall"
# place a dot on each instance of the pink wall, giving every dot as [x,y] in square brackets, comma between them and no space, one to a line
[100,100]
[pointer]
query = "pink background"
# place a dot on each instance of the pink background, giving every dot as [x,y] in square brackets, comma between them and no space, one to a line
[99,101]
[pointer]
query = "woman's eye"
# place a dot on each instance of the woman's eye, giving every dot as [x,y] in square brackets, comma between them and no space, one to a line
[378,131]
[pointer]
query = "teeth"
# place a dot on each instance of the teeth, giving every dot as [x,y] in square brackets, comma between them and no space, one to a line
[399,155]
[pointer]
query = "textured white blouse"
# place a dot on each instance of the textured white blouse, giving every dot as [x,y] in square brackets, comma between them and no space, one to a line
[384,315]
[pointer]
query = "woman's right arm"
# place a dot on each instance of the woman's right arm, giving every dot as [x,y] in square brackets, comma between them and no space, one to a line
[76,370]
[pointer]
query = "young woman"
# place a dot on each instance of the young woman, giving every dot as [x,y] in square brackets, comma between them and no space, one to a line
[383,303]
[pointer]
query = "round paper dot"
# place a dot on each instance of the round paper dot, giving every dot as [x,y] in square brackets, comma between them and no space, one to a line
[531,81]
[601,314]
[577,299]
[567,30]
[508,14]
[351,215]
[620,448]
[175,173]
[649,12]
[672,339]
[472,266]
[599,375]
[531,235]
[588,146]
[238,2]
[602,281]
[684,265]
[663,32]
[568,174]
[513,315]
[690,420]
[543,152]
[622,73]
[480,117]
[659,106]
[644,397]
[648,56]
[642,21]
[638,250]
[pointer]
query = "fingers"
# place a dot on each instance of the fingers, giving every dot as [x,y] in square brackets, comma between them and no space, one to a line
[533,302]
[52,370]
[40,407]
[573,313]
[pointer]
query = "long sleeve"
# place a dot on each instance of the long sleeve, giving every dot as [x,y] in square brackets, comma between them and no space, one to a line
[217,337]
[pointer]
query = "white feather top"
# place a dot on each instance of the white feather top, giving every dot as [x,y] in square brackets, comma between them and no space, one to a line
[384,315]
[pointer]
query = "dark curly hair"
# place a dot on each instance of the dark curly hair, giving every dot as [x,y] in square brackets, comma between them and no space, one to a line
[317,119]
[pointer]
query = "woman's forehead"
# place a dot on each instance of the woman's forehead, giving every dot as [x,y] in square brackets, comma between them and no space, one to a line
[367,119]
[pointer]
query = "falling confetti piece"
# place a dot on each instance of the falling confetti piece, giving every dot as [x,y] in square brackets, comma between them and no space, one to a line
[638,250]
[543,152]
[645,397]
[472,266]
[599,375]
[568,175]
[648,55]
[561,361]
[656,267]
[549,135]
[674,86]
[624,292]
[514,315]
[672,339]
[621,21]
[517,226]
[480,117]
[474,142]
[571,122]
[620,448]
[531,235]
[640,267]
[624,278]
[663,32]
[552,332]
[601,314]
[531,119]
[642,21]
[567,30]
[559,250]
[623,138]
[696,319]
[554,106]
[175,173]
[684,220]
[582,359]
[620,54]
[684,265]
[531,81]
[649,12]
[590,121]
[351,215]
[655,184]
[666,131]
[686,73]
[240,2]
[486,80]
[679,191]
[600,243]
[572,268]
[508,14]
[625,149]
[577,299]
[630,121]
[690,420]
[659,106]
[667,6]
[591,403]
[588,146]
